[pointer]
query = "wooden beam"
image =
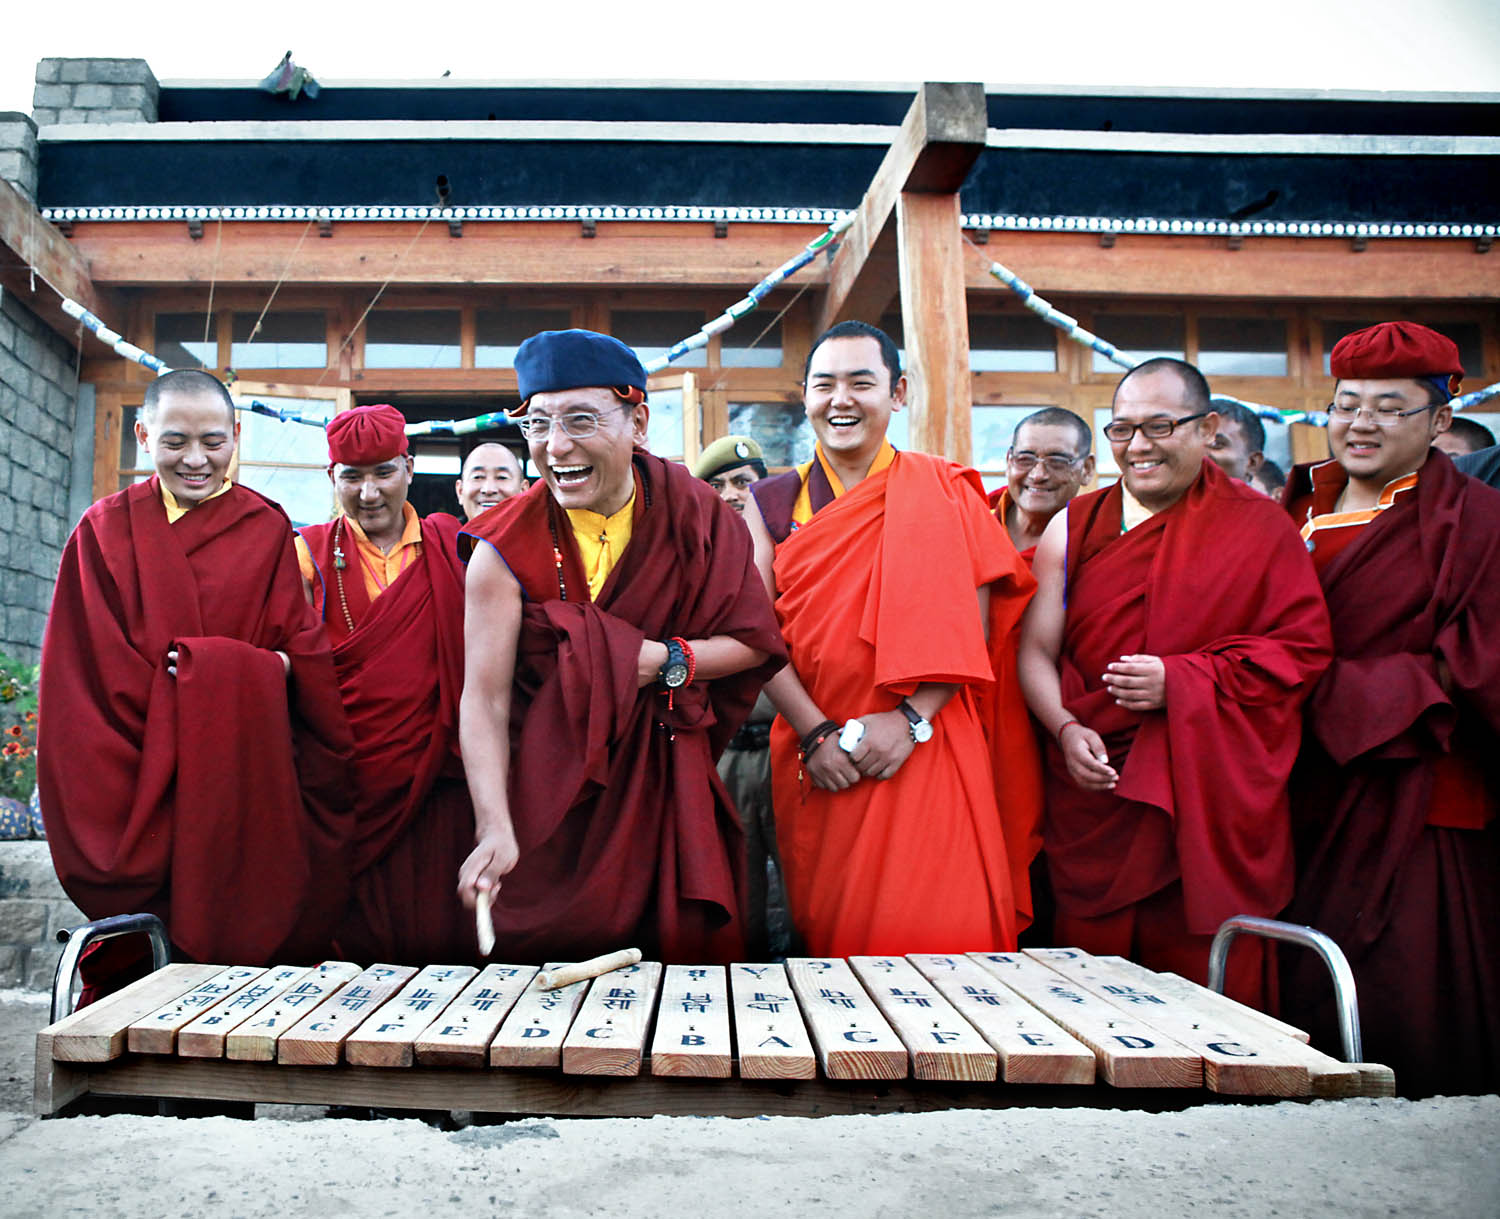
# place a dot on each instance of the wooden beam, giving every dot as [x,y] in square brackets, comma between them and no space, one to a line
[935,319]
[939,141]
[34,243]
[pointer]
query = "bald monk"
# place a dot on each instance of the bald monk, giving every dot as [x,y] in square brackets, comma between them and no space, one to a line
[616,635]
[1395,795]
[1048,463]
[192,744]
[884,566]
[1177,628]
[490,475]
[389,590]
[1464,436]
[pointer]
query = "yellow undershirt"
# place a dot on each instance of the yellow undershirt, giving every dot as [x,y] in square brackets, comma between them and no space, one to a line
[1132,511]
[601,541]
[802,510]
[175,511]
[378,568]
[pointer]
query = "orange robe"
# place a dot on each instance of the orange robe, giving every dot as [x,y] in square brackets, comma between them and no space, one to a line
[872,604]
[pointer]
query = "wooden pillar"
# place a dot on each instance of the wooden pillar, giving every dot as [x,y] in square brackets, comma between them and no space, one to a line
[935,318]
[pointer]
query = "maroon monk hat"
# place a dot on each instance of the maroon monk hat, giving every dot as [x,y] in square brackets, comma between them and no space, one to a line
[1398,349]
[366,436]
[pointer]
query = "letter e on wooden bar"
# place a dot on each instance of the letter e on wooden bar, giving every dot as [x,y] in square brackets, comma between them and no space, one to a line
[943,1045]
[255,1039]
[204,1037]
[156,1033]
[532,1035]
[692,1024]
[317,1039]
[386,1037]
[1031,1048]
[609,1036]
[768,1028]
[853,1041]
[461,1035]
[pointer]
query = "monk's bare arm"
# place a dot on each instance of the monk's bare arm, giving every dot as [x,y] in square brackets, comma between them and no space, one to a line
[717,656]
[1040,647]
[492,627]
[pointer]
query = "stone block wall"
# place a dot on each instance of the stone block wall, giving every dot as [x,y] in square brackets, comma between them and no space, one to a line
[18,153]
[33,909]
[38,396]
[94,91]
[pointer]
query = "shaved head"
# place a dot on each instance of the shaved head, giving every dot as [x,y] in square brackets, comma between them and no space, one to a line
[185,382]
[491,473]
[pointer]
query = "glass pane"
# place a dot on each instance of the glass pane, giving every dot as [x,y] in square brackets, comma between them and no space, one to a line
[307,495]
[180,342]
[652,332]
[1104,457]
[1242,346]
[664,431]
[1465,334]
[1140,336]
[131,457]
[993,428]
[1004,343]
[497,333]
[742,346]
[781,429]
[412,338]
[263,438]
[285,340]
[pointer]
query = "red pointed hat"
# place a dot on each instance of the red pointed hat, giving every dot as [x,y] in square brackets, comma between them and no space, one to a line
[366,436]
[1395,349]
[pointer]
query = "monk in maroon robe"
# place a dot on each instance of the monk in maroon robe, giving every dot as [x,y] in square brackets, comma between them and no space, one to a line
[389,589]
[616,635]
[1177,628]
[192,743]
[1396,793]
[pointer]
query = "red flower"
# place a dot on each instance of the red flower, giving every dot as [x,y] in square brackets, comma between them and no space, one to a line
[14,730]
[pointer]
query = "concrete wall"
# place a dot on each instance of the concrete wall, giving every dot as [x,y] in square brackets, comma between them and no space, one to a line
[18,153]
[38,396]
[94,91]
[33,908]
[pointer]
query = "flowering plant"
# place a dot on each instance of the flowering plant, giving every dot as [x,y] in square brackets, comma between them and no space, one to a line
[17,728]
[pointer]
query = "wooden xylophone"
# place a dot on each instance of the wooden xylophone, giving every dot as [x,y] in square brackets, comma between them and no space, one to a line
[815,1036]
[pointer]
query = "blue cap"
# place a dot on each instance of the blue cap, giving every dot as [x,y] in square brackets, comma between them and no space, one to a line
[578,359]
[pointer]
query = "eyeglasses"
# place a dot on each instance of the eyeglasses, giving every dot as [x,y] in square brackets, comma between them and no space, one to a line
[740,482]
[579,425]
[1120,432]
[1383,416]
[1024,462]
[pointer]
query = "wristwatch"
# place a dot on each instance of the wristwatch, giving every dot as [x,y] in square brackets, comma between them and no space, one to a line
[921,730]
[674,674]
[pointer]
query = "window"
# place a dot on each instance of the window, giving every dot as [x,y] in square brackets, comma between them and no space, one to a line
[781,429]
[498,333]
[1140,336]
[664,435]
[180,341]
[412,338]
[1006,343]
[751,343]
[652,332]
[1465,334]
[1242,347]
[285,460]
[285,340]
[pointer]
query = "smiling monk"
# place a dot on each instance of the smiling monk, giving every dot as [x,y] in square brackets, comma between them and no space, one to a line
[616,635]
[1176,630]
[193,750]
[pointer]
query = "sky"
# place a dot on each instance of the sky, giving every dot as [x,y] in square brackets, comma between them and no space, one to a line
[1379,45]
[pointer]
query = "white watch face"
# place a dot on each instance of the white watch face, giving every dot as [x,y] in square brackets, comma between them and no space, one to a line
[921,731]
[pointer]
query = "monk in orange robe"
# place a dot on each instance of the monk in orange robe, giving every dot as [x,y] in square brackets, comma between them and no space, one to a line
[885,567]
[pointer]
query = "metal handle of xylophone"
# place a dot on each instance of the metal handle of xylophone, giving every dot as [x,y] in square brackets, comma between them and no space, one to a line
[79,938]
[1295,933]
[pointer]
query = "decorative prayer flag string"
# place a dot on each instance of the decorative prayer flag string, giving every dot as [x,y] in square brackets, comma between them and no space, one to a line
[105,335]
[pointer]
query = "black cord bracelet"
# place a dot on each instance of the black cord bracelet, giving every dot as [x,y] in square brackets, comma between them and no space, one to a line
[816,737]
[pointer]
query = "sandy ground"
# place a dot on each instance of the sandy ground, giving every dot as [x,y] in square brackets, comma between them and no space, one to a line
[1358,1158]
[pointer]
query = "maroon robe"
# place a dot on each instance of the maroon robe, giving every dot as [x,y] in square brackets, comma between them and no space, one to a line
[217,799]
[401,671]
[1223,591]
[1414,905]
[626,833]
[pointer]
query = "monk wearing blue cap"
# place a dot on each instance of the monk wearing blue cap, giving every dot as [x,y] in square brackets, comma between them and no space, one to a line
[616,634]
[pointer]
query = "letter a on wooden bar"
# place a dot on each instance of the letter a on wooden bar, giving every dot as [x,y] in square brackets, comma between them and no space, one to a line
[204,1037]
[97,1033]
[386,1037]
[317,1039]
[852,1039]
[768,1028]
[942,1043]
[461,1035]
[1031,1048]
[609,1036]
[692,1024]
[532,1035]
[1131,1053]
[255,1039]
[157,1032]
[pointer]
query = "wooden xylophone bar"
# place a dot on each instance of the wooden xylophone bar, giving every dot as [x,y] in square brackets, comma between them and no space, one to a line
[816,1036]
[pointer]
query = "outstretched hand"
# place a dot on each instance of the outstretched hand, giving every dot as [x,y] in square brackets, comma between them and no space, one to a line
[493,856]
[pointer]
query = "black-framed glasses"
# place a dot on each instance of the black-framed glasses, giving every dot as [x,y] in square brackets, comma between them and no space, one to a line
[576,425]
[1383,416]
[1120,432]
[1024,462]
